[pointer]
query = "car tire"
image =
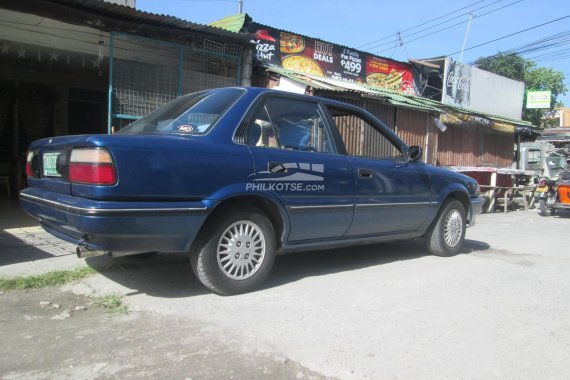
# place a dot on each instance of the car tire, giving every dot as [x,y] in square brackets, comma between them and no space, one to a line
[446,235]
[235,252]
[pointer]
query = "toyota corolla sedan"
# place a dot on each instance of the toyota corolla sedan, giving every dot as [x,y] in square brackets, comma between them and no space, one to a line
[235,176]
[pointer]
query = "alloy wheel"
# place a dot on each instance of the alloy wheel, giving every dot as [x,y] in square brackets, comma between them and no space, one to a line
[453,228]
[241,250]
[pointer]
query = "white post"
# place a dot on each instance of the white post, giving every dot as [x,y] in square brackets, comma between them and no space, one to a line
[466,33]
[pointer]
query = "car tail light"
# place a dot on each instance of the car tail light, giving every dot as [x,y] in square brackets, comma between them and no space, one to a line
[29,170]
[92,166]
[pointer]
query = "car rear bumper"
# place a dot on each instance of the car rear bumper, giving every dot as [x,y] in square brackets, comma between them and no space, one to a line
[113,225]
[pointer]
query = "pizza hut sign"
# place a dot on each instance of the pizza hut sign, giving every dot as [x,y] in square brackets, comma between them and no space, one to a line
[315,57]
[266,47]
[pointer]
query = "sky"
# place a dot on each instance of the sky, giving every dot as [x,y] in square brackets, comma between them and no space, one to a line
[427,28]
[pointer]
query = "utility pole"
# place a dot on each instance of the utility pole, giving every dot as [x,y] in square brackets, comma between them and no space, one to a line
[471,15]
[240,6]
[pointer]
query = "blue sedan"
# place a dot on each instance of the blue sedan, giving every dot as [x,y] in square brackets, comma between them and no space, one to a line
[235,176]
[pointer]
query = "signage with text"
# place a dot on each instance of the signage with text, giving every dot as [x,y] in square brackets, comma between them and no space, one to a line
[538,99]
[311,56]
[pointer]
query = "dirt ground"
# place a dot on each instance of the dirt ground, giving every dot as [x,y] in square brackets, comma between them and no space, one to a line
[55,334]
[499,310]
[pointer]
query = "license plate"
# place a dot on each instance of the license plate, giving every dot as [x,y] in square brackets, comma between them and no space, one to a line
[50,164]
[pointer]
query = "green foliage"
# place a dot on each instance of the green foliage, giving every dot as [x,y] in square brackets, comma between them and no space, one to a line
[45,280]
[515,67]
[508,65]
[112,304]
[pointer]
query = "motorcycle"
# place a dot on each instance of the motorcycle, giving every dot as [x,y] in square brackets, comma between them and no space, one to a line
[554,195]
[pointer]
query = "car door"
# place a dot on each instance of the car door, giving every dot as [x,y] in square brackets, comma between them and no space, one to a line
[392,195]
[295,158]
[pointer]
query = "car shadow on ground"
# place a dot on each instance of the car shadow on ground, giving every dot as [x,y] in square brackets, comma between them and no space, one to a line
[19,247]
[294,267]
[563,214]
[169,275]
[166,275]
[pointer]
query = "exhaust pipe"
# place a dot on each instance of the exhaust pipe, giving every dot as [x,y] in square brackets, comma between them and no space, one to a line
[83,252]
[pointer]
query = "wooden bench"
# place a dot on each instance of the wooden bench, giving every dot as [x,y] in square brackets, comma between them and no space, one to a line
[527,193]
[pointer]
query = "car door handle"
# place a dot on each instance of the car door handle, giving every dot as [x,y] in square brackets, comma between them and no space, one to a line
[364,173]
[276,167]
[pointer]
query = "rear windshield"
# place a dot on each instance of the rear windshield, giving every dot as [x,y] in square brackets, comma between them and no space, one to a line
[192,114]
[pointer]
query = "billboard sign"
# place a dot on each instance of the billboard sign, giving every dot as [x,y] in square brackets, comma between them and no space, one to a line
[457,85]
[479,90]
[538,99]
[316,57]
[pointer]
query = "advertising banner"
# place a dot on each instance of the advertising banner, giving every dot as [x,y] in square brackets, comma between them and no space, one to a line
[457,86]
[538,99]
[389,74]
[311,56]
[479,90]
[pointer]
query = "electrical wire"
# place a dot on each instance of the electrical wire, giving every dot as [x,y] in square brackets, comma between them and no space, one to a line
[444,22]
[454,25]
[421,24]
[545,43]
[511,34]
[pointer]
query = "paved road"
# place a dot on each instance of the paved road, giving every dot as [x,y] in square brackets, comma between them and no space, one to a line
[388,311]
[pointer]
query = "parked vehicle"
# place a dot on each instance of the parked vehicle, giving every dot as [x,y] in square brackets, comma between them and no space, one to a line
[236,176]
[541,157]
[554,195]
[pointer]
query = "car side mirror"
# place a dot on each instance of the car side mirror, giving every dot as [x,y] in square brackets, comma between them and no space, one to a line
[415,153]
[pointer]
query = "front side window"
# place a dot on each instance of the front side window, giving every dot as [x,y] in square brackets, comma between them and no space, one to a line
[361,138]
[192,114]
[290,124]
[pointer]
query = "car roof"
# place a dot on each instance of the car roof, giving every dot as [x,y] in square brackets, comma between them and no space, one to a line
[260,90]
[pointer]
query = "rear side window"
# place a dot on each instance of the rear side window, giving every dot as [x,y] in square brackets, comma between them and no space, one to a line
[193,114]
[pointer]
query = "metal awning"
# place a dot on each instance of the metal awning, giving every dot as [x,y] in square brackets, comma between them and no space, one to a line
[451,115]
[329,84]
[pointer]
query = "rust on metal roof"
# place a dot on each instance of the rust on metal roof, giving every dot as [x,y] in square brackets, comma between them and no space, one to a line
[129,14]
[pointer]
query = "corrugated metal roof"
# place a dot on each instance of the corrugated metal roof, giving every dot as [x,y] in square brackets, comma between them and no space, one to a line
[329,84]
[122,12]
[304,79]
[233,23]
[522,123]
[450,114]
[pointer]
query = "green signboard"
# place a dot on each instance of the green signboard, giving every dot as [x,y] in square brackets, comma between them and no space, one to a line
[538,99]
